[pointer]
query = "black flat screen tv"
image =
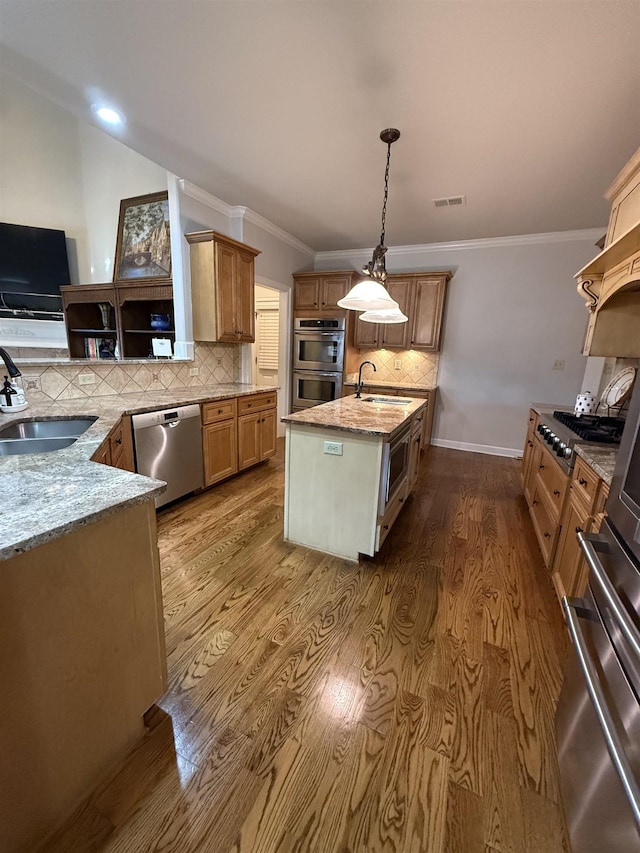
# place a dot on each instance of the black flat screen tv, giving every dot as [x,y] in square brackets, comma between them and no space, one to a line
[33,265]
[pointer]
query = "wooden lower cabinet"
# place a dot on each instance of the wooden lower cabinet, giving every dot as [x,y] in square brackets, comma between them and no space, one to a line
[220,451]
[117,449]
[256,438]
[238,433]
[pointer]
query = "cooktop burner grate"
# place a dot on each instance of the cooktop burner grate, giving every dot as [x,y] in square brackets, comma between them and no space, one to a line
[592,427]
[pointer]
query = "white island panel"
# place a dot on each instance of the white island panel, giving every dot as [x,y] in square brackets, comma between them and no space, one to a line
[331,502]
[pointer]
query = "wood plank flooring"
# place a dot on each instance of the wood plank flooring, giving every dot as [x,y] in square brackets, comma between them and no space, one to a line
[399,706]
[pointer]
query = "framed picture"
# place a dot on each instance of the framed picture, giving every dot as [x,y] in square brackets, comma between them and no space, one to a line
[143,248]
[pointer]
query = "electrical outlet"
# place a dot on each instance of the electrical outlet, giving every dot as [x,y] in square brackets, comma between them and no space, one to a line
[333,448]
[398,364]
[32,383]
[193,371]
[155,377]
[558,364]
[87,379]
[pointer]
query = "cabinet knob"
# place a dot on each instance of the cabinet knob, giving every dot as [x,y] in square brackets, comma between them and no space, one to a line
[582,481]
[401,500]
[534,503]
[385,527]
[547,535]
[578,529]
[541,467]
[556,492]
[530,443]
[219,411]
[118,441]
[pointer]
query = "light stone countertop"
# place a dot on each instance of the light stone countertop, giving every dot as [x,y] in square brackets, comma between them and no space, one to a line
[600,457]
[357,415]
[401,386]
[47,495]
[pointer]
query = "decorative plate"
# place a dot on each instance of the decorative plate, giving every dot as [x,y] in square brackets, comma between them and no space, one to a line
[619,389]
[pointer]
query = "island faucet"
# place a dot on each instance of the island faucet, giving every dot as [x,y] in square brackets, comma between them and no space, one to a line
[8,363]
[360,383]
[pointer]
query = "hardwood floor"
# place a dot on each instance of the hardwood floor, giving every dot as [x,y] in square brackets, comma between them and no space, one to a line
[405,704]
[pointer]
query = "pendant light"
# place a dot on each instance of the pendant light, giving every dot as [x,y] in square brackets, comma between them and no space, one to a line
[384,315]
[370,294]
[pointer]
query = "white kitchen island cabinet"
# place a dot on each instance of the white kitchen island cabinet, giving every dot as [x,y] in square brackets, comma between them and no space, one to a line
[350,465]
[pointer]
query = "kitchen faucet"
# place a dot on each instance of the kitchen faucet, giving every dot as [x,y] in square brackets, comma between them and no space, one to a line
[8,363]
[360,383]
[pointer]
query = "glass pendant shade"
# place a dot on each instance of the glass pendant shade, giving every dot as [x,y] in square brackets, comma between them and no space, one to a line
[392,315]
[368,295]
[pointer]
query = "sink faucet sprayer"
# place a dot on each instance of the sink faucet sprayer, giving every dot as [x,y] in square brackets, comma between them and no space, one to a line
[360,383]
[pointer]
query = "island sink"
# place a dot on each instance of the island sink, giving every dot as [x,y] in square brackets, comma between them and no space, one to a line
[391,401]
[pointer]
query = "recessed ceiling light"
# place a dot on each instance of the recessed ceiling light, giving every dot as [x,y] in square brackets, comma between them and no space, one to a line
[107,114]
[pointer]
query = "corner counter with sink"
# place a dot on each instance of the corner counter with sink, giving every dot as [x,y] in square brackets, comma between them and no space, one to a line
[81,620]
[350,466]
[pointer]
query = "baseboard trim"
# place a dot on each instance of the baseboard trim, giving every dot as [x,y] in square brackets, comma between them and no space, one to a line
[477,448]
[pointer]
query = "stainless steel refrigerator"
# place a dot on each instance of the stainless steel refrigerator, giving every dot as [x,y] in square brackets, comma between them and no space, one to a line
[598,717]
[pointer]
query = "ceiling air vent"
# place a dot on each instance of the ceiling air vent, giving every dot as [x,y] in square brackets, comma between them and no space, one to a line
[452,201]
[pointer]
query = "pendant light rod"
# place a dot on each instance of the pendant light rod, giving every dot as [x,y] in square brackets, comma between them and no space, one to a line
[390,135]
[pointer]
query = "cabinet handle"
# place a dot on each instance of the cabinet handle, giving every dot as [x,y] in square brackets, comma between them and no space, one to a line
[582,481]
[579,530]
[118,441]
[556,492]
[534,503]
[249,405]
[401,500]
[547,535]
[219,411]
[541,467]
[385,527]
[530,443]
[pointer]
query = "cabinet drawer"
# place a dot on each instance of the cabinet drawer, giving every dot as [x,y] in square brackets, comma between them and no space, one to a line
[256,403]
[554,481]
[585,483]
[386,523]
[220,410]
[545,525]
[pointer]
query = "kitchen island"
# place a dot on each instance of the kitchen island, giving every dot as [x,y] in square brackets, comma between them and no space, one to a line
[350,465]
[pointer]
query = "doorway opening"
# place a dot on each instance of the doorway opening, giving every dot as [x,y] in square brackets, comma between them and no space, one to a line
[269,363]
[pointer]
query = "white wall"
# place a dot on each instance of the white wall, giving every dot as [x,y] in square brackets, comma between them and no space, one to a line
[512,309]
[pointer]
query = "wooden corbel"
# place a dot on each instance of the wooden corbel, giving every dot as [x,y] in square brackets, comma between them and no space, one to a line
[589,288]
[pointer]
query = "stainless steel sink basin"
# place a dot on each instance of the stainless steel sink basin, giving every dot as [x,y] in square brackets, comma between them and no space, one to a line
[60,428]
[391,401]
[20,446]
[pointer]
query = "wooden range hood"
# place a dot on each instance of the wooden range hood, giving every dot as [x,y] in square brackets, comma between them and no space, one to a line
[610,284]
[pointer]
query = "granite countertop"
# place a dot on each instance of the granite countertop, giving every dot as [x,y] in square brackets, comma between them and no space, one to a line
[600,457]
[350,414]
[539,408]
[47,495]
[401,386]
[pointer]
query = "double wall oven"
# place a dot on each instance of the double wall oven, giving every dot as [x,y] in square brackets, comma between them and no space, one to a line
[318,357]
[598,717]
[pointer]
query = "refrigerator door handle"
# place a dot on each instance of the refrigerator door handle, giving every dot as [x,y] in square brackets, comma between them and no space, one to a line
[614,744]
[624,622]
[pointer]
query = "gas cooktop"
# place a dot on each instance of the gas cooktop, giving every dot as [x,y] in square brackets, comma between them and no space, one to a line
[593,427]
[562,430]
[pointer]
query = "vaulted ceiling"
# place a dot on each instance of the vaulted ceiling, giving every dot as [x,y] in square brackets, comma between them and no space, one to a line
[529,109]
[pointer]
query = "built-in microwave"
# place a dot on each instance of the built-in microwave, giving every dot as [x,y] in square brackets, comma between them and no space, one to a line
[318,343]
[395,467]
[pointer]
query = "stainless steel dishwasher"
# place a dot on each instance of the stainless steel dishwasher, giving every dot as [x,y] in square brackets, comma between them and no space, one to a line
[168,447]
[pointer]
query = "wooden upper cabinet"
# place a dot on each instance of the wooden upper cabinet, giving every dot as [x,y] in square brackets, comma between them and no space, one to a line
[318,293]
[222,288]
[421,297]
[396,335]
[427,312]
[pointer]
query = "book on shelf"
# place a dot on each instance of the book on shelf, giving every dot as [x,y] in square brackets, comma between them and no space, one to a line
[100,348]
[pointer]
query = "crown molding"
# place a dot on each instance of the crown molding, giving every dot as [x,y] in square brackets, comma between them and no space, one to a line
[591,234]
[259,221]
[244,214]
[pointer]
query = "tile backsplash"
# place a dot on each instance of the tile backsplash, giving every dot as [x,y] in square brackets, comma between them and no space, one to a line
[216,363]
[416,368]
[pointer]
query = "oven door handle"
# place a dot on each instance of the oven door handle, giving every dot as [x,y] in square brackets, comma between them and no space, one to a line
[589,546]
[306,374]
[311,334]
[612,739]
